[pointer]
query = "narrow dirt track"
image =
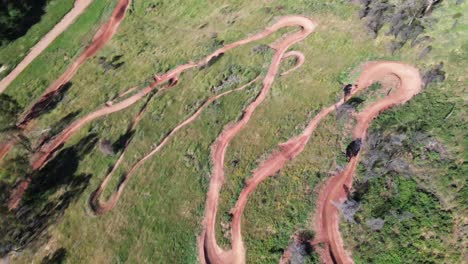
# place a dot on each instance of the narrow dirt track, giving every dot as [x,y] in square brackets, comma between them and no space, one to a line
[326,216]
[79,7]
[44,152]
[300,59]
[100,207]
[326,221]
[102,36]
[208,248]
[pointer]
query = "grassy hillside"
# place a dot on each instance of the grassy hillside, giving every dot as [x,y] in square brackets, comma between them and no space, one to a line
[157,219]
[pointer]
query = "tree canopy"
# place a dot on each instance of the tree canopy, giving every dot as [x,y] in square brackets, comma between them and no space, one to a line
[17,16]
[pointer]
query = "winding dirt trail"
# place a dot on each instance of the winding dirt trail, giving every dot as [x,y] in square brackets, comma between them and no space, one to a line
[102,36]
[100,207]
[171,76]
[78,8]
[208,248]
[44,152]
[326,219]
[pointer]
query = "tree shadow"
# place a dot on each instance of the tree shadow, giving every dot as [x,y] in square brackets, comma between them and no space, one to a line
[355,101]
[50,193]
[57,257]
[121,142]
[46,103]
[57,127]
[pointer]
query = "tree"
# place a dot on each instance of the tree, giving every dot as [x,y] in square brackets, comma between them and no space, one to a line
[9,109]
[17,16]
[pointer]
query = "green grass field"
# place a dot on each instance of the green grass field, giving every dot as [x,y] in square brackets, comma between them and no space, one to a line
[158,217]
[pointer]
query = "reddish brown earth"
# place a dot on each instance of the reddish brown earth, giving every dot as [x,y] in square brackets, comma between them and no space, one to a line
[44,152]
[326,219]
[79,7]
[99,207]
[300,59]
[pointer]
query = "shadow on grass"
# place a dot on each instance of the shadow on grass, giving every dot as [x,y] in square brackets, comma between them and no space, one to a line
[46,103]
[57,257]
[122,141]
[50,193]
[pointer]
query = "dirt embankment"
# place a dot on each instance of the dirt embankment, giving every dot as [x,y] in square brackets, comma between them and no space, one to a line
[79,7]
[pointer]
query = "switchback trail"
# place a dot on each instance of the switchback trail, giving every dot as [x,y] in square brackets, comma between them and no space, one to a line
[326,216]
[79,7]
[208,248]
[100,207]
[44,152]
[326,219]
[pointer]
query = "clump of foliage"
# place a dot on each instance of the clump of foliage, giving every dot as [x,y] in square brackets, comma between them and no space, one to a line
[111,64]
[16,17]
[434,74]
[405,19]
[9,110]
[414,224]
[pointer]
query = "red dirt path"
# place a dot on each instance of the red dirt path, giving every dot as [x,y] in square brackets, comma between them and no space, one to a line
[326,219]
[100,207]
[208,248]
